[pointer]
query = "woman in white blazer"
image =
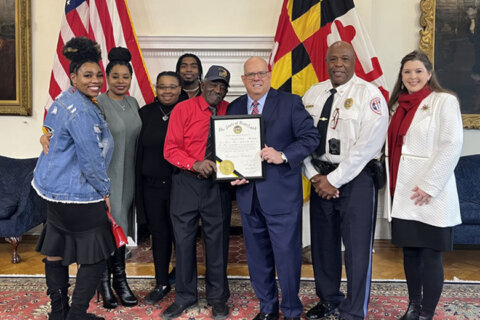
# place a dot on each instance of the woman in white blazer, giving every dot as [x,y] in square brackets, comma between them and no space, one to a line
[424,142]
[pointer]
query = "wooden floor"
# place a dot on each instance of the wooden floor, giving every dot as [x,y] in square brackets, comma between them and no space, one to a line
[460,264]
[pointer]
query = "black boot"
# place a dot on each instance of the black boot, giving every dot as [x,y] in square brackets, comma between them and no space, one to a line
[105,289]
[119,283]
[56,276]
[88,276]
[413,311]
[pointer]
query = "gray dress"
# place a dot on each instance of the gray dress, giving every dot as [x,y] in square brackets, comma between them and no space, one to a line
[124,124]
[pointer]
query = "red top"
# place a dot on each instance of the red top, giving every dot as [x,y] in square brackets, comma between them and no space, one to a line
[187,132]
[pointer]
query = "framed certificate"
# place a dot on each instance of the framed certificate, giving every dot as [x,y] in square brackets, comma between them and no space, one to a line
[238,140]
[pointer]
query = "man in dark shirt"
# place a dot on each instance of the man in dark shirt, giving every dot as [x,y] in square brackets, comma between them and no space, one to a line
[195,194]
[189,68]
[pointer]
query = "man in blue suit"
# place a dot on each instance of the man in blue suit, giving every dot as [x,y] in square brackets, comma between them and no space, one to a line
[272,208]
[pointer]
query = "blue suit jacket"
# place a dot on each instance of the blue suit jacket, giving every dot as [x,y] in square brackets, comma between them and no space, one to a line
[288,127]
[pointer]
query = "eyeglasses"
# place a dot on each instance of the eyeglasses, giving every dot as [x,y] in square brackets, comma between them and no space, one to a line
[334,121]
[261,75]
[163,88]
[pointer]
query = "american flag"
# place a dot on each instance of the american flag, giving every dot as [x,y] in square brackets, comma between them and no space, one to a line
[107,22]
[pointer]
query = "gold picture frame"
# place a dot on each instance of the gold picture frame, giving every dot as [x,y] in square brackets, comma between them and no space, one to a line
[15,49]
[427,45]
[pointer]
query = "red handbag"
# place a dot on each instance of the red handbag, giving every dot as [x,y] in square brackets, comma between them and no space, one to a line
[118,234]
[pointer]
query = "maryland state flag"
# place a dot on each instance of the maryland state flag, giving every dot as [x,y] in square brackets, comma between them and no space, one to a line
[305,30]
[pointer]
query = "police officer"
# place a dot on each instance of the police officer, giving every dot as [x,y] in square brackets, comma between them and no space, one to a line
[352,118]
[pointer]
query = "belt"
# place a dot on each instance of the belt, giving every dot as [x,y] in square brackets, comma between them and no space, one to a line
[323,167]
[193,174]
[375,168]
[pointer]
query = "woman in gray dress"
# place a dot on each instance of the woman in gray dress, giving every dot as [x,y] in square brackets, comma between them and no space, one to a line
[121,113]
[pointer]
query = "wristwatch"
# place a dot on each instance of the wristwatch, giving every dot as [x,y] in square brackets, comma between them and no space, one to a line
[284,158]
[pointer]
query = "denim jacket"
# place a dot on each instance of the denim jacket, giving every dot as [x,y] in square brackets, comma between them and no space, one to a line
[81,147]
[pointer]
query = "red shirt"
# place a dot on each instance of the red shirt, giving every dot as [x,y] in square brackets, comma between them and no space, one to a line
[187,132]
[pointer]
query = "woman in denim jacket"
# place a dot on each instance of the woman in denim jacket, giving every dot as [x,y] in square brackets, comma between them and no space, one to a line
[72,177]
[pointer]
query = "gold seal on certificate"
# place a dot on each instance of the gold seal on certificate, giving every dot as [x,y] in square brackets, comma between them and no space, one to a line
[237,141]
[227,167]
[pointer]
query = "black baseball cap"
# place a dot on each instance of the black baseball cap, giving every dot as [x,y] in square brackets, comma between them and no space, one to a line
[216,73]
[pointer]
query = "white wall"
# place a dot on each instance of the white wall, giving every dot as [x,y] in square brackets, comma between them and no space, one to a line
[392,24]
[205,18]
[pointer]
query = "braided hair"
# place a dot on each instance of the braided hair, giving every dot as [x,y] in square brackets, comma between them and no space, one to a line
[190,55]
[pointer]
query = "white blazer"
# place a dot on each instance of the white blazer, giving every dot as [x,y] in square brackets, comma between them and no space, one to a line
[430,152]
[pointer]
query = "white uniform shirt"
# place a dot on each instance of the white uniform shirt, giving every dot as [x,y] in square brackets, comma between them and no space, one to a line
[359,119]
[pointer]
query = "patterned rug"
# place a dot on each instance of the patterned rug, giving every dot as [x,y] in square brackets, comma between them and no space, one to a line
[236,251]
[25,298]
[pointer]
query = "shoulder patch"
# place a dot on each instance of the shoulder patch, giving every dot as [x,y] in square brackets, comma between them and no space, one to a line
[375,105]
[46,129]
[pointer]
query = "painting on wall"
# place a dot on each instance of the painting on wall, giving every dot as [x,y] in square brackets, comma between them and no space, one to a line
[15,62]
[451,39]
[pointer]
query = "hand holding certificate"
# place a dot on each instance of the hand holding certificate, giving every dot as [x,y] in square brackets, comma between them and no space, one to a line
[238,141]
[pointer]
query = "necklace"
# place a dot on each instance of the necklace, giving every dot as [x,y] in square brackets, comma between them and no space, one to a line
[122,103]
[191,90]
[165,115]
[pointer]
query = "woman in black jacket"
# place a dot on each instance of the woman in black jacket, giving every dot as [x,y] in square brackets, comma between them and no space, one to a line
[153,178]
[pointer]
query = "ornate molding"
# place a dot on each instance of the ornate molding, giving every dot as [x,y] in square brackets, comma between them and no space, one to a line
[204,53]
[161,53]
[206,43]
[427,45]
[206,47]
[427,22]
[471,121]
[22,105]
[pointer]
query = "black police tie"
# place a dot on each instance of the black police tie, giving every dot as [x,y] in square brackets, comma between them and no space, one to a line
[210,146]
[322,125]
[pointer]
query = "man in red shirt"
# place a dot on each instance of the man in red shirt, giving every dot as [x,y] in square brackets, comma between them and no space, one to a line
[196,194]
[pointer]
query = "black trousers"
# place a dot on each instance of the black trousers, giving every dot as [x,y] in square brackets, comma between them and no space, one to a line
[350,217]
[157,211]
[193,199]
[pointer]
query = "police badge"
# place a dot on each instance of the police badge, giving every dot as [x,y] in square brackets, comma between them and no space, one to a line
[348,103]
